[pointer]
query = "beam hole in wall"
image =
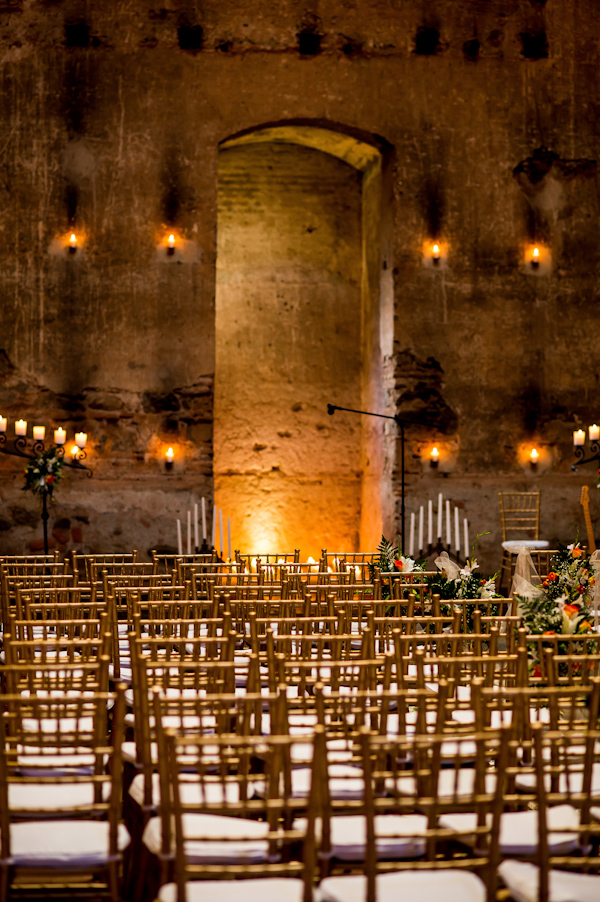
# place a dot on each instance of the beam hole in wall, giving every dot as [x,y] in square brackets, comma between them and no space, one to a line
[297,327]
[535,45]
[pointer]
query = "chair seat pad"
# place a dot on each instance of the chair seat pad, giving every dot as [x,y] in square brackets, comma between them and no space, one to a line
[519,830]
[407,886]
[514,545]
[235,839]
[192,793]
[63,844]
[52,797]
[269,889]
[345,782]
[451,783]
[574,783]
[398,836]
[564,886]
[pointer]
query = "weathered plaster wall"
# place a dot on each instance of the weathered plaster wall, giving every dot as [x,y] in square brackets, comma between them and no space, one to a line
[119,137]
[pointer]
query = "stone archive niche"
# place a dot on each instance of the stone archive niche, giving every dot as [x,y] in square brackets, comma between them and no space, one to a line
[302,320]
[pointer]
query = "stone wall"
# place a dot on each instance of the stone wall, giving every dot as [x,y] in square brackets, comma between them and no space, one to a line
[112,116]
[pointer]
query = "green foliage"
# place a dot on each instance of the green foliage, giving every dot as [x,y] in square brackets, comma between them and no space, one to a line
[43,472]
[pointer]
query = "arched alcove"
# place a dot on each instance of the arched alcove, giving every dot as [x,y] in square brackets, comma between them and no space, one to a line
[300,323]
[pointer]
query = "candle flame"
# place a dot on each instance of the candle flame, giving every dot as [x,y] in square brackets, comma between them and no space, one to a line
[73,240]
[534,455]
[536,253]
[435,250]
[434,453]
[169,454]
[171,240]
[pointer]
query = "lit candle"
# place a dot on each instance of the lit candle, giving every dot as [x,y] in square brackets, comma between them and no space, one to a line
[594,433]
[169,454]
[81,439]
[578,437]
[421,529]
[435,253]
[434,455]
[60,436]
[535,257]
[3,424]
[466,525]
[411,547]
[430,522]
[448,525]
[171,241]
[74,451]
[457,529]
[203,519]
[73,241]
[39,433]
[189,532]
[534,455]
[196,542]
[222,546]
[440,516]
[21,427]
[179,540]
[229,536]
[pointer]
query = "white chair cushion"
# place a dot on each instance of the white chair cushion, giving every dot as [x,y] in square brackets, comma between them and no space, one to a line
[408,886]
[55,798]
[519,830]
[397,835]
[572,783]
[451,783]
[564,886]
[62,844]
[247,841]
[191,791]
[270,889]
[345,782]
[514,545]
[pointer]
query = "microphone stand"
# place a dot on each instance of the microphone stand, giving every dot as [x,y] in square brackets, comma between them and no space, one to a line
[400,422]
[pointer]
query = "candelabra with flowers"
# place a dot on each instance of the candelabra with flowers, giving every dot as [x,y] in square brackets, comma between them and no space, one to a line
[44,469]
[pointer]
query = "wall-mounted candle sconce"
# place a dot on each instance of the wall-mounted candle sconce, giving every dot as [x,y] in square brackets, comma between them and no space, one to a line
[73,243]
[169,456]
[435,254]
[434,457]
[170,245]
[535,258]
[534,456]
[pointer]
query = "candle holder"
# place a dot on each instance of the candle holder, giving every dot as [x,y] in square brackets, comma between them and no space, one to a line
[579,451]
[18,447]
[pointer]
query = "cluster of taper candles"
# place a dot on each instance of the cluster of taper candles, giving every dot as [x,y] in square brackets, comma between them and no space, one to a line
[421,546]
[217,516]
[39,434]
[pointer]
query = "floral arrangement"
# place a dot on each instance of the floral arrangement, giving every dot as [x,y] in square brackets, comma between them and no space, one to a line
[462,584]
[43,472]
[391,560]
[562,605]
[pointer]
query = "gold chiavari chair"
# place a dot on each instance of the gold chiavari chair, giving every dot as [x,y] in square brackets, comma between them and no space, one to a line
[82,563]
[238,834]
[566,859]
[395,836]
[60,795]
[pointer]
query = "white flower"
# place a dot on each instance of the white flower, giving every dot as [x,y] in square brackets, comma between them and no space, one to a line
[407,564]
[467,570]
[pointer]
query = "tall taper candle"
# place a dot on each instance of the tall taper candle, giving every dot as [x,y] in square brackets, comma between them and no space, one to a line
[179,542]
[448,525]
[203,519]
[222,549]
[421,529]
[440,515]
[457,529]
[229,537]
[411,548]
[189,533]
[213,541]
[430,522]
[196,540]
[466,525]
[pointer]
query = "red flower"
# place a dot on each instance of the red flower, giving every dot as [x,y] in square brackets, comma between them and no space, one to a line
[536,672]
[50,478]
[552,576]
[398,565]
